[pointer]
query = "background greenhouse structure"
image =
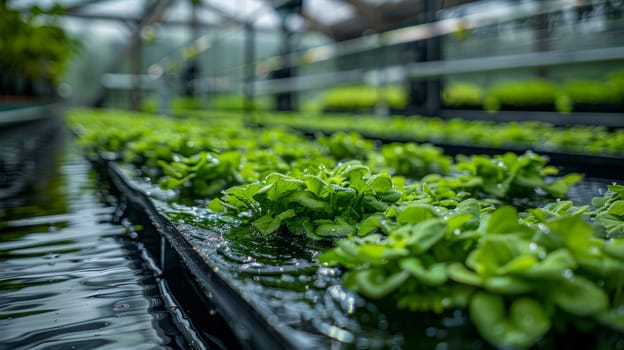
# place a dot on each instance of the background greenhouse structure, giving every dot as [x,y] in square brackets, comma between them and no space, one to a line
[311,174]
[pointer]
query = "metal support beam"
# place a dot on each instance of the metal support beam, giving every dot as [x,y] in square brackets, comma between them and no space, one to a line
[518,61]
[424,95]
[424,70]
[315,24]
[79,6]
[250,69]
[368,12]
[192,71]
[151,15]
[541,35]
[429,30]
[220,12]
[137,20]
[284,100]
[136,93]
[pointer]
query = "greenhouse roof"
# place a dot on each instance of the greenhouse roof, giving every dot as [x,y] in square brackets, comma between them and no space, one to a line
[338,19]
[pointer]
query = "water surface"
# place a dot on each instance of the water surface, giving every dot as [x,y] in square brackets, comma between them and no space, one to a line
[69,277]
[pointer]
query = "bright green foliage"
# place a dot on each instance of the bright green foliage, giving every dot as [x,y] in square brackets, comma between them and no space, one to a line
[431,258]
[345,146]
[553,210]
[202,175]
[534,92]
[590,92]
[445,241]
[234,102]
[178,105]
[358,97]
[538,93]
[616,79]
[110,131]
[462,95]
[198,158]
[522,135]
[610,210]
[321,203]
[513,175]
[413,160]
[502,176]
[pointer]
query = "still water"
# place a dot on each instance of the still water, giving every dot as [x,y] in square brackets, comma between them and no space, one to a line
[69,277]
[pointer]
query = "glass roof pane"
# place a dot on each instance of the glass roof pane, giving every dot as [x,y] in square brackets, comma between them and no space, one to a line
[181,10]
[43,3]
[121,8]
[384,2]
[329,12]
[257,11]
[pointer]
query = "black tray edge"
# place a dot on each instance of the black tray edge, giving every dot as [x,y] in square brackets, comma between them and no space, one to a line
[253,330]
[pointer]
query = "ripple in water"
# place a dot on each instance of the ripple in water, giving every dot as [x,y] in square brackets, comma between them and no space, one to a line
[69,279]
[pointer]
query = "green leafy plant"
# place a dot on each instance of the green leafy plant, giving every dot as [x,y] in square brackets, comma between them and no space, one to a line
[412,160]
[322,203]
[347,145]
[202,175]
[590,92]
[35,51]
[522,135]
[361,97]
[610,210]
[425,243]
[513,175]
[534,92]
[462,95]
[516,279]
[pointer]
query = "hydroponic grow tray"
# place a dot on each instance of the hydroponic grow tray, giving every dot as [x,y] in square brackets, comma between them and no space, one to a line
[240,296]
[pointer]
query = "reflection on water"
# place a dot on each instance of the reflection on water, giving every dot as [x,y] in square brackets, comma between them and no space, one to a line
[69,278]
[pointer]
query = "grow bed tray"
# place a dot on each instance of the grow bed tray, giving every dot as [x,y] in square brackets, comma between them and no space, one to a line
[609,120]
[271,295]
[591,165]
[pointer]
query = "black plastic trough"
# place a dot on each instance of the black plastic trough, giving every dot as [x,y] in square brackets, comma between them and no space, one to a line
[214,314]
[212,311]
[605,166]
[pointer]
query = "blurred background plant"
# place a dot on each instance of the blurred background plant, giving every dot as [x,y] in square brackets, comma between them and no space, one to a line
[35,50]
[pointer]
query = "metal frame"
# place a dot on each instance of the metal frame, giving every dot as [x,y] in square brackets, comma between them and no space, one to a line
[430,65]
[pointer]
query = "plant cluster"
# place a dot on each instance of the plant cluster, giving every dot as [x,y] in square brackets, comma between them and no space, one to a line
[538,94]
[407,223]
[35,50]
[519,135]
[517,273]
[362,97]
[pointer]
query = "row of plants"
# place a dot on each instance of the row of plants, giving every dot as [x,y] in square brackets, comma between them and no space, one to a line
[516,135]
[350,98]
[406,223]
[222,102]
[538,136]
[540,94]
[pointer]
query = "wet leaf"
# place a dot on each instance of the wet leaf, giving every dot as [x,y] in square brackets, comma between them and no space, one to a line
[517,328]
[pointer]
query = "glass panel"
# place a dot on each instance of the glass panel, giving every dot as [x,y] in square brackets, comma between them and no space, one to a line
[329,12]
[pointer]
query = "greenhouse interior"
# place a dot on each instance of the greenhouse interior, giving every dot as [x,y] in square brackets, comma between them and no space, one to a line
[298,174]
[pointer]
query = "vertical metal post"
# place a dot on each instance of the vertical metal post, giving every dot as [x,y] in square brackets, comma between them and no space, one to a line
[192,69]
[434,53]
[541,35]
[424,95]
[381,106]
[284,100]
[250,70]
[137,67]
